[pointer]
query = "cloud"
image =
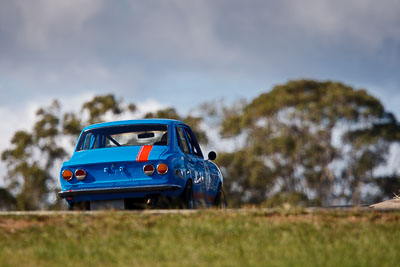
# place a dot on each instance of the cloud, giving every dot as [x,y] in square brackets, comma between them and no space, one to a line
[367,22]
[149,105]
[178,31]
[44,20]
[192,49]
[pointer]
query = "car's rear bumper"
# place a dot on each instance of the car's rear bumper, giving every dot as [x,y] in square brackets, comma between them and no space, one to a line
[119,190]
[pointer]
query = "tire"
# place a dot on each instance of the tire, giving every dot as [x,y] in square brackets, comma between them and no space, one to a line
[220,199]
[187,200]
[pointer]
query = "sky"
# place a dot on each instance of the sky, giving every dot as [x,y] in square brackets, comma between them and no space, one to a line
[182,53]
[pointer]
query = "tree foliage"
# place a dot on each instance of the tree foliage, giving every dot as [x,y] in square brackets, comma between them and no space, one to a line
[319,139]
[31,157]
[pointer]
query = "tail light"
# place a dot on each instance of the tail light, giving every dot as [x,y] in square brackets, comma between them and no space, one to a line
[162,168]
[148,169]
[80,174]
[67,175]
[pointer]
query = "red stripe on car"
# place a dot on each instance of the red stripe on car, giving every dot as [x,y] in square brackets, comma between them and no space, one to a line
[140,152]
[144,152]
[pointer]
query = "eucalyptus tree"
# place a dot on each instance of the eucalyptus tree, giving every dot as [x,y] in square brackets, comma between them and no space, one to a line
[319,140]
[31,157]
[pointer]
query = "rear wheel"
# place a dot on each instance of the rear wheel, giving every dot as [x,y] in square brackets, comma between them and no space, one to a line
[187,200]
[220,200]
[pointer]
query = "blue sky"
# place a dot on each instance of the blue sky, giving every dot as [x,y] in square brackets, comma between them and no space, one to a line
[181,53]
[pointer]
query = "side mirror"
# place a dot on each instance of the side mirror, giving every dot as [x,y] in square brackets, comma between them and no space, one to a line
[212,155]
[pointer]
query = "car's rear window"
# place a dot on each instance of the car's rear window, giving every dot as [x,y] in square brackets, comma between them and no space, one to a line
[126,135]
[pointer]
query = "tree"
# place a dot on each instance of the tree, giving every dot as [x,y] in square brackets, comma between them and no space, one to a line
[34,156]
[321,140]
[31,159]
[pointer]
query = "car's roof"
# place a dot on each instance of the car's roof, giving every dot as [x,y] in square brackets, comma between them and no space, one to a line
[130,122]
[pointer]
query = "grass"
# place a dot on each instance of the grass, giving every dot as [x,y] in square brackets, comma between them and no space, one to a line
[204,238]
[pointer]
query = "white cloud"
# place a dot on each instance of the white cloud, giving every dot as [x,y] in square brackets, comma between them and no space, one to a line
[149,105]
[16,119]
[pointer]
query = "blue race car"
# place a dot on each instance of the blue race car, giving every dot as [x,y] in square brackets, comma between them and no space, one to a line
[127,164]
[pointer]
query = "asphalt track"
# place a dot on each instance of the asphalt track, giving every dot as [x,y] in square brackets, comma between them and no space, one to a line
[364,208]
[385,206]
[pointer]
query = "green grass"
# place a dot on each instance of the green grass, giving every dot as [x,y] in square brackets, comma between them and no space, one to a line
[205,238]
